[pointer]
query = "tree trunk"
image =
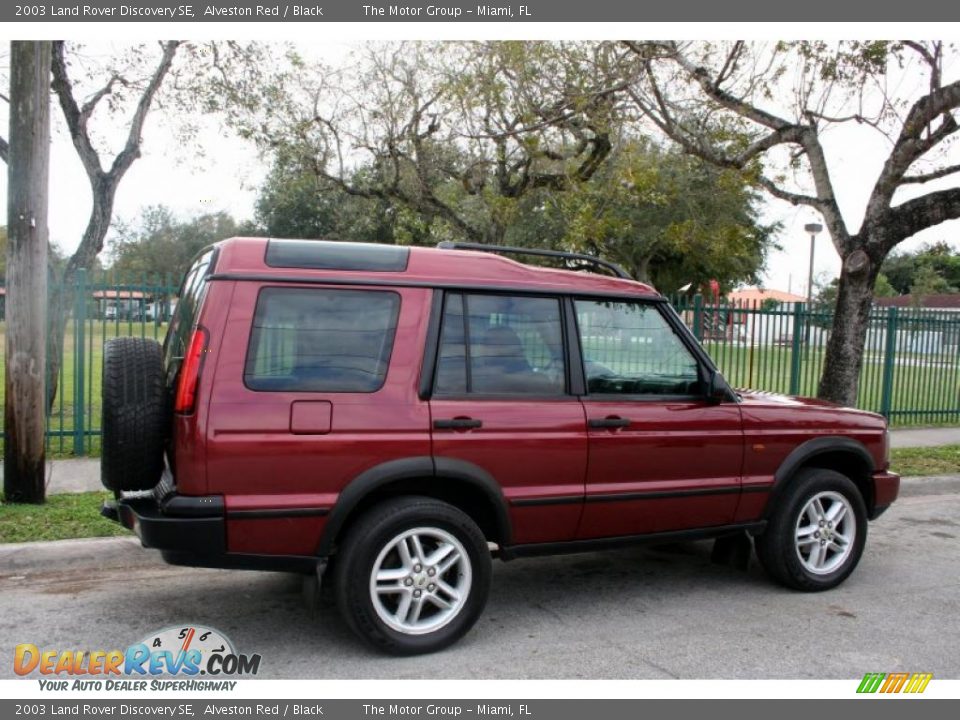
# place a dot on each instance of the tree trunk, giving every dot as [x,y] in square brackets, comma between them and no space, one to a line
[60,294]
[28,172]
[496,233]
[56,331]
[641,269]
[844,355]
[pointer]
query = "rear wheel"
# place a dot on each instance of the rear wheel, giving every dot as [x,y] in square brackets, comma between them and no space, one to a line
[413,575]
[135,414]
[817,532]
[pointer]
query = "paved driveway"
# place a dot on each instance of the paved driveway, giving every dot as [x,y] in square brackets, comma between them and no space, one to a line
[638,613]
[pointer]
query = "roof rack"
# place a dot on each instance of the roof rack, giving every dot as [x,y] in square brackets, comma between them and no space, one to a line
[507,250]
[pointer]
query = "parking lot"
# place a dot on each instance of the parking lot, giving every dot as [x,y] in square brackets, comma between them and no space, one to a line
[662,612]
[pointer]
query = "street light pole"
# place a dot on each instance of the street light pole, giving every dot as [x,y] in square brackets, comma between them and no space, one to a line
[813,229]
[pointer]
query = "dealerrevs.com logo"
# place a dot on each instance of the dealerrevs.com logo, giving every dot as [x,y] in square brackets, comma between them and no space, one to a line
[182,651]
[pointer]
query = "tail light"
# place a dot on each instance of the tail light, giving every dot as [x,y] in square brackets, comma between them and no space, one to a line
[190,369]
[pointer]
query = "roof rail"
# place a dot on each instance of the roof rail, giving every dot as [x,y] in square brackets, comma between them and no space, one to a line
[507,250]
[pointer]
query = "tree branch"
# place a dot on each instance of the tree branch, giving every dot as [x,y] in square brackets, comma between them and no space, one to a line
[923,212]
[928,58]
[726,99]
[829,207]
[76,122]
[792,198]
[730,64]
[910,145]
[103,184]
[131,150]
[782,133]
[91,104]
[4,149]
[927,177]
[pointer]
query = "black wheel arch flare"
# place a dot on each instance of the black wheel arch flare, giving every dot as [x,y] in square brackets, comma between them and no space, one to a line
[808,451]
[394,472]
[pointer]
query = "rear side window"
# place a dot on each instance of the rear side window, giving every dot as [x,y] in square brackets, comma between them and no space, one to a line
[501,345]
[185,316]
[320,340]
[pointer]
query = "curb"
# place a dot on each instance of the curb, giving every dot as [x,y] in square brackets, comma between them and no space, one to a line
[93,553]
[929,485]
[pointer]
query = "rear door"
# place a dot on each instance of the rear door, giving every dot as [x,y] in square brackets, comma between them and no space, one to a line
[663,456]
[501,402]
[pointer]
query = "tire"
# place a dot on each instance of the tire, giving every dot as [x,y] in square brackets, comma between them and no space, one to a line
[799,552]
[373,544]
[135,415]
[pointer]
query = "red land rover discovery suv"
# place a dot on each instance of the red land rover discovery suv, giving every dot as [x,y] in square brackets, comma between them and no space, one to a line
[392,417]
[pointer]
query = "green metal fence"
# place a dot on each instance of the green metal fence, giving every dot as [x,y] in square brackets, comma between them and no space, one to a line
[911,362]
[911,368]
[99,308]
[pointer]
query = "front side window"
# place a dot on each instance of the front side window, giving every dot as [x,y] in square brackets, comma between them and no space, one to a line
[501,345]
[631,349]
[318,340]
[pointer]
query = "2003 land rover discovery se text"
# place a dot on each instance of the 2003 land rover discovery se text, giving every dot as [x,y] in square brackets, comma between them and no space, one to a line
[393,417]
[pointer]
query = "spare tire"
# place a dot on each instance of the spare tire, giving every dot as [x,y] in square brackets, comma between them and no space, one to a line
[135,414]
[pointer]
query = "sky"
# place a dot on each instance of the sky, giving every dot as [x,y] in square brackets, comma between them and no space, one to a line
[226,177]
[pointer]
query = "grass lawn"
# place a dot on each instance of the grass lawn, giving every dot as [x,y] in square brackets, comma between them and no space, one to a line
[943,460]
[75,515]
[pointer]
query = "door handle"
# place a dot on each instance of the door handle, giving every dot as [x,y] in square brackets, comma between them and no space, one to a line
[460,423]
[609,422]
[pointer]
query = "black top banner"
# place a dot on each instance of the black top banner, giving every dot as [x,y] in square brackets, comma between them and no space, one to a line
[459,11]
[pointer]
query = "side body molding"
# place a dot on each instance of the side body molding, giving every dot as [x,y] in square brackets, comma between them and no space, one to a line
[423,467]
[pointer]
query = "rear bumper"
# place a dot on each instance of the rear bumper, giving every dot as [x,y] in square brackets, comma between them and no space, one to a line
[886,488]
[178,524]
[192,531]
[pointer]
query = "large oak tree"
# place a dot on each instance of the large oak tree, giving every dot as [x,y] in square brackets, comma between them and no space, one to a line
[764,108]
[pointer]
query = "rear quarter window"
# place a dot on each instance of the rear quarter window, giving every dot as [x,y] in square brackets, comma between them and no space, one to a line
[321,340]
[187,311]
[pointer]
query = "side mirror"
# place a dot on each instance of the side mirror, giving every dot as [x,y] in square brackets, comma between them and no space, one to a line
[717,390]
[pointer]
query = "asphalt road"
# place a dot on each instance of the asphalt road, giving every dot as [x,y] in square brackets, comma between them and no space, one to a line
[637,613]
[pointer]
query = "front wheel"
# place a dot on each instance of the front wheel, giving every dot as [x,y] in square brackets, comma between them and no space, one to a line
[817,532]
[413,575]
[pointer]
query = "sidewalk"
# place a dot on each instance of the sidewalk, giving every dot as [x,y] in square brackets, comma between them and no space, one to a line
[71,475]
[83,474]
[924,437]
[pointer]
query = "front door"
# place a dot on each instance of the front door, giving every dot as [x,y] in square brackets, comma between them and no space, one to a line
[501,404]
[663,456]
